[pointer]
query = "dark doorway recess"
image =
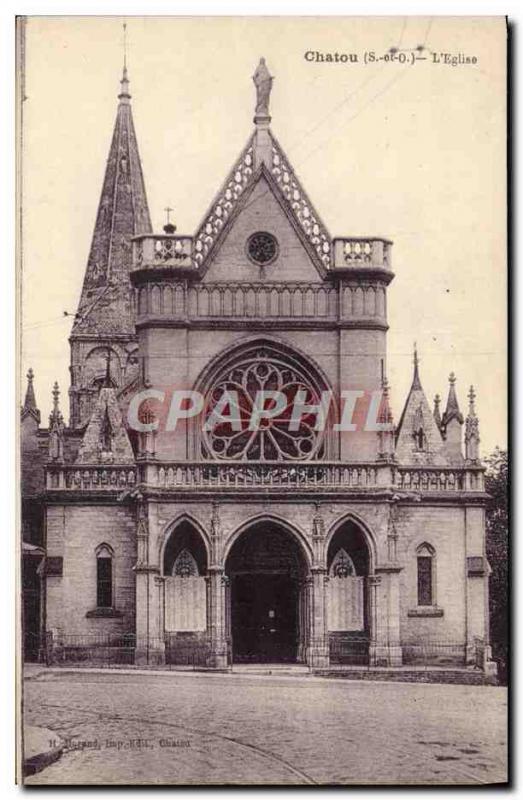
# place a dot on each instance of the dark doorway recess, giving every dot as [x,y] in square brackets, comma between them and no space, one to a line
[266,569]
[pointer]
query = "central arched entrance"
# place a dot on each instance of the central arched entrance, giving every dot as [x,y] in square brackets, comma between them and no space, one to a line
[266,568]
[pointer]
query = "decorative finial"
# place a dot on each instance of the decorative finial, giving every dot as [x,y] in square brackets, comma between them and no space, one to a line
[56,396]
[472,439]
[29,406]
[452,379]
[263,83]
[124,95]
[416,383]
[169,228]
[436,412]
[55,417]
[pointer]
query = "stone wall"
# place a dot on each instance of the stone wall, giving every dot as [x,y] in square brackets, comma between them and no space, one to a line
[73,534]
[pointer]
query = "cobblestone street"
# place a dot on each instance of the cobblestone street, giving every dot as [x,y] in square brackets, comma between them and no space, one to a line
[200,728]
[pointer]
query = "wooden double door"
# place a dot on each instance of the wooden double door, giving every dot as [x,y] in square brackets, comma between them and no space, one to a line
[264,617]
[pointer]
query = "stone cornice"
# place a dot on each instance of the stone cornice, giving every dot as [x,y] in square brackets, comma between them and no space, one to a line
[260,324]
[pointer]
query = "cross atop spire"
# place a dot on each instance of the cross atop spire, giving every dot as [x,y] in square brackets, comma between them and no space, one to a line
[124,95]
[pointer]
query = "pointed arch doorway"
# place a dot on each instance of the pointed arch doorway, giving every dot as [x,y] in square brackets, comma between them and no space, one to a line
[267,596]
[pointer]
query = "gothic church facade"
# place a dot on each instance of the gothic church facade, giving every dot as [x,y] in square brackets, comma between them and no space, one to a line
[227,545]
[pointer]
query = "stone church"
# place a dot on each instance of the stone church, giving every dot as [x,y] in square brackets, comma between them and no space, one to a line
[278,543]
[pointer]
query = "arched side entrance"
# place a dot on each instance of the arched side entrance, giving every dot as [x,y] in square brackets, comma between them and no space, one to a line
[348,596]
[266,596]
[185,613]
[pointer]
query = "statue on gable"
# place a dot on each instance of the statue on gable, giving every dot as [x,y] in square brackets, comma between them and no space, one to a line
[263,82]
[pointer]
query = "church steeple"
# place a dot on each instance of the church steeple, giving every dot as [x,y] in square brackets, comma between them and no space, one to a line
[105,317]
[104,306]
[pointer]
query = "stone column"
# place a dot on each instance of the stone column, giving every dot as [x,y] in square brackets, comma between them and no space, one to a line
[318,648]
[150,642]
[393,618]
[385,649]
[375,631]
[216,617]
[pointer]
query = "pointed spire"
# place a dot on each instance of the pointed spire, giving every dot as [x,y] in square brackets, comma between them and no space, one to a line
[451,423]
[56,428]
[122,214]
[385,412]
[418,439]
[416,383]
[30,407]
[472,439]
[386,438]
[436,412]
[452,411]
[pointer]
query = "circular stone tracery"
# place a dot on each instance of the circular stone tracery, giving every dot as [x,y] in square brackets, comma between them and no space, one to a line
[262,248]
[271,439]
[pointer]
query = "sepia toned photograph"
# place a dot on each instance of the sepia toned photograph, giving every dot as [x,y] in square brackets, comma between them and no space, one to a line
[262,361]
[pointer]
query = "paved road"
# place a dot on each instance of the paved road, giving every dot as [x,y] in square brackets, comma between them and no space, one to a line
[184,728]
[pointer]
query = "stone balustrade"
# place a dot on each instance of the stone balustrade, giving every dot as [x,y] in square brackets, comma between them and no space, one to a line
[207,475]
[358,251]
[154,251]
[438,479]
[231,475]
[162,251]
[91,478]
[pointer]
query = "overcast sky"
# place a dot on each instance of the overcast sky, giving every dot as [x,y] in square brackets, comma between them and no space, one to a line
[412,153]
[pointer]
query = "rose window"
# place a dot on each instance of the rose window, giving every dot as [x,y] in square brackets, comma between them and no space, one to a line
[235,426]
[262,248]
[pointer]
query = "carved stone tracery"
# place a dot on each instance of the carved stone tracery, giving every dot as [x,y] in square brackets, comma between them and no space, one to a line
[272,439]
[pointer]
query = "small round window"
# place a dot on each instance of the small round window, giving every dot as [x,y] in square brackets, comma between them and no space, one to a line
[262,248]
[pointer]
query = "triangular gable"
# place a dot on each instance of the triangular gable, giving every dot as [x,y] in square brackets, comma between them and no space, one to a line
[105,428]
[223,204]
[262,208]
[302,208]
[268,159]
[417,414]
